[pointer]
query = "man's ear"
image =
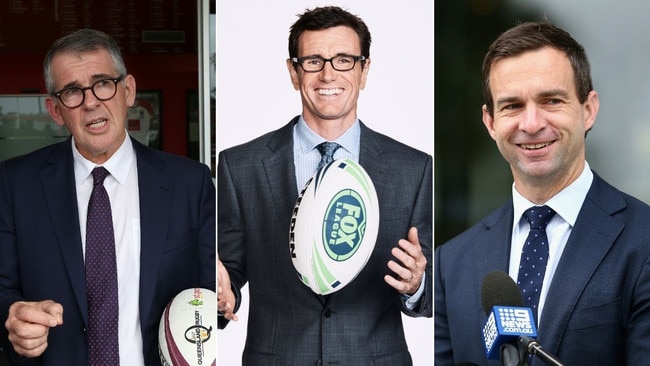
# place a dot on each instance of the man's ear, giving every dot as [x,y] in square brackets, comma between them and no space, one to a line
[53,109]
[293,73]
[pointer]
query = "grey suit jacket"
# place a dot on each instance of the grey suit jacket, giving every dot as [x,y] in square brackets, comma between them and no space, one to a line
[289,324]
[597,311]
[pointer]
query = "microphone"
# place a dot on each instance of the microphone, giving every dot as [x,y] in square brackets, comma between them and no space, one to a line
[530,346]
[509,322]
[508,319]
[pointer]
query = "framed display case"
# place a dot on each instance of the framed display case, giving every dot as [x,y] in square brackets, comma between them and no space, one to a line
[25,125]
[144,118]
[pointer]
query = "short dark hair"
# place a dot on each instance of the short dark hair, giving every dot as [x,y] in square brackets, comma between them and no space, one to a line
[327,17]
[81,41]
[530,36]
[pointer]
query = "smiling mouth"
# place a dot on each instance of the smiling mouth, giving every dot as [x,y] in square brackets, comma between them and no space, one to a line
[329,92]
[535,146]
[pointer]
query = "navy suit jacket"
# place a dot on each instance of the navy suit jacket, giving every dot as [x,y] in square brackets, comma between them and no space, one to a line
[40,243]
[597,311]
[288,324]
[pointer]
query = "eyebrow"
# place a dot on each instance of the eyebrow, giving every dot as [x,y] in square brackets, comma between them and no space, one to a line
[323,57]
[507,100]
[545,94]
[554,93]
[96,77]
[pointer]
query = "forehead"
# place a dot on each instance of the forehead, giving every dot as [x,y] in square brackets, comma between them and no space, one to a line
[69,67]
[329,42]
[545,68]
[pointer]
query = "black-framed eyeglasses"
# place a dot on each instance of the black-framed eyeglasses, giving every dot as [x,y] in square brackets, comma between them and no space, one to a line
[103,90]
[317,63]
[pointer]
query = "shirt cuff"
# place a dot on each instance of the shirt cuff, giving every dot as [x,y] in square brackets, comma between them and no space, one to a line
[411,301]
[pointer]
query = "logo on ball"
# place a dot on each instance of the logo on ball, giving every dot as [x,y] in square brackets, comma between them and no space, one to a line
[344,225]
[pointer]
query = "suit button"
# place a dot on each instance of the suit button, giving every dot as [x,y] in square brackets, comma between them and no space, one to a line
[327,313]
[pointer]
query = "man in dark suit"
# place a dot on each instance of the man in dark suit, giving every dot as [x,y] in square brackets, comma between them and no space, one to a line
[594,299]
[258,185]
[163,216]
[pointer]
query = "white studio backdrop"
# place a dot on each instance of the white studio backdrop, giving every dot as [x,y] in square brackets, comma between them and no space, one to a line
[255,95]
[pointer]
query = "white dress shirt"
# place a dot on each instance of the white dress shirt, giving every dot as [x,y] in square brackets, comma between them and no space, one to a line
[122,188]
[567,204]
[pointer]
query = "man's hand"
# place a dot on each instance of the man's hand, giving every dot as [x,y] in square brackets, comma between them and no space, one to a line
[411,267]
[29,325]
[225,296]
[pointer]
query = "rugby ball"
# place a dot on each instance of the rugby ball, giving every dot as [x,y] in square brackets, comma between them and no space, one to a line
[334,226]
[187,331]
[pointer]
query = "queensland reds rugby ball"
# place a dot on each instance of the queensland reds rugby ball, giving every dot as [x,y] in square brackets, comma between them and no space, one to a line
[186,335]
[334,226]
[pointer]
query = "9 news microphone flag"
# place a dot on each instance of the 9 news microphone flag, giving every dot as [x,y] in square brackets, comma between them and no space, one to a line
[508,321]
[506,324]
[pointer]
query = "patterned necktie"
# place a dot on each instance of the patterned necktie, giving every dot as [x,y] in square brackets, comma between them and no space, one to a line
[534,256]
[101,277]
[326,150]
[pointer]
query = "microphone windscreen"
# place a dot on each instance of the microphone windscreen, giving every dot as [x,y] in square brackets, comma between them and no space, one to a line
[498,289]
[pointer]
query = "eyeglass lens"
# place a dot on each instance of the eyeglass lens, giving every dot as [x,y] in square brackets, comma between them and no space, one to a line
[103,90]
[339,63]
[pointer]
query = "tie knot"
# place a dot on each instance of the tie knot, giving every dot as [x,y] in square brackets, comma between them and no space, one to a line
[538,216]
[327,149]
[99,174]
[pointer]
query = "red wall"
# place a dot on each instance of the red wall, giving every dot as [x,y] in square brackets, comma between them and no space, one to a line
[172,74]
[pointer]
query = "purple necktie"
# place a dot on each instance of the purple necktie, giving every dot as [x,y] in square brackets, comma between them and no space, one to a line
[101,277]
[534,256]
[326,150]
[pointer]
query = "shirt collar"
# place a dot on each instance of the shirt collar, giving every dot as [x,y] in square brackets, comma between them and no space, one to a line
[566,203]
[308,139]
[118,164]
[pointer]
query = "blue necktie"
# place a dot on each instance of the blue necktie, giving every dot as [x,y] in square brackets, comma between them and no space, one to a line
[534,256]
[326,150]
[101,277]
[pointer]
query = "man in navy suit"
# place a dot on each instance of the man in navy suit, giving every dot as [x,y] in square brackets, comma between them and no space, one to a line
[163,214]
[594,306]
[258,185]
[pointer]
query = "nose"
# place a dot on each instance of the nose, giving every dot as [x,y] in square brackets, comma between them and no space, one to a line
[533,120]
[89,97]
[328,73]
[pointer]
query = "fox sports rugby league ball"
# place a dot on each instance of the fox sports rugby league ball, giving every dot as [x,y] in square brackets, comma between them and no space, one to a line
[187,331]
[334,226]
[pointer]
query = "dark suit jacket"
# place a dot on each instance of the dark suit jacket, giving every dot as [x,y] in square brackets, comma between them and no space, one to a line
[40,244]
[597,311]
[289,324]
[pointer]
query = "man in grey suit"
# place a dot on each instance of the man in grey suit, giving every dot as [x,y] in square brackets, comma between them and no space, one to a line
[257,188]
[594,299]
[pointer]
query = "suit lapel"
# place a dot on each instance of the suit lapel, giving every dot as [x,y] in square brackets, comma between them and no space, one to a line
[595,229]
[370,154]
[280,170]
[154,214]
[281,175]
[495,241]
[59,188]
[491,252]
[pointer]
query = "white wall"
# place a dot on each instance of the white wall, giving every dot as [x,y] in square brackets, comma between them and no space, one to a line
[255,95]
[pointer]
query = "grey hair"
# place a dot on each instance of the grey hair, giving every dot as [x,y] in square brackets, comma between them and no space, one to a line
[78,42]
